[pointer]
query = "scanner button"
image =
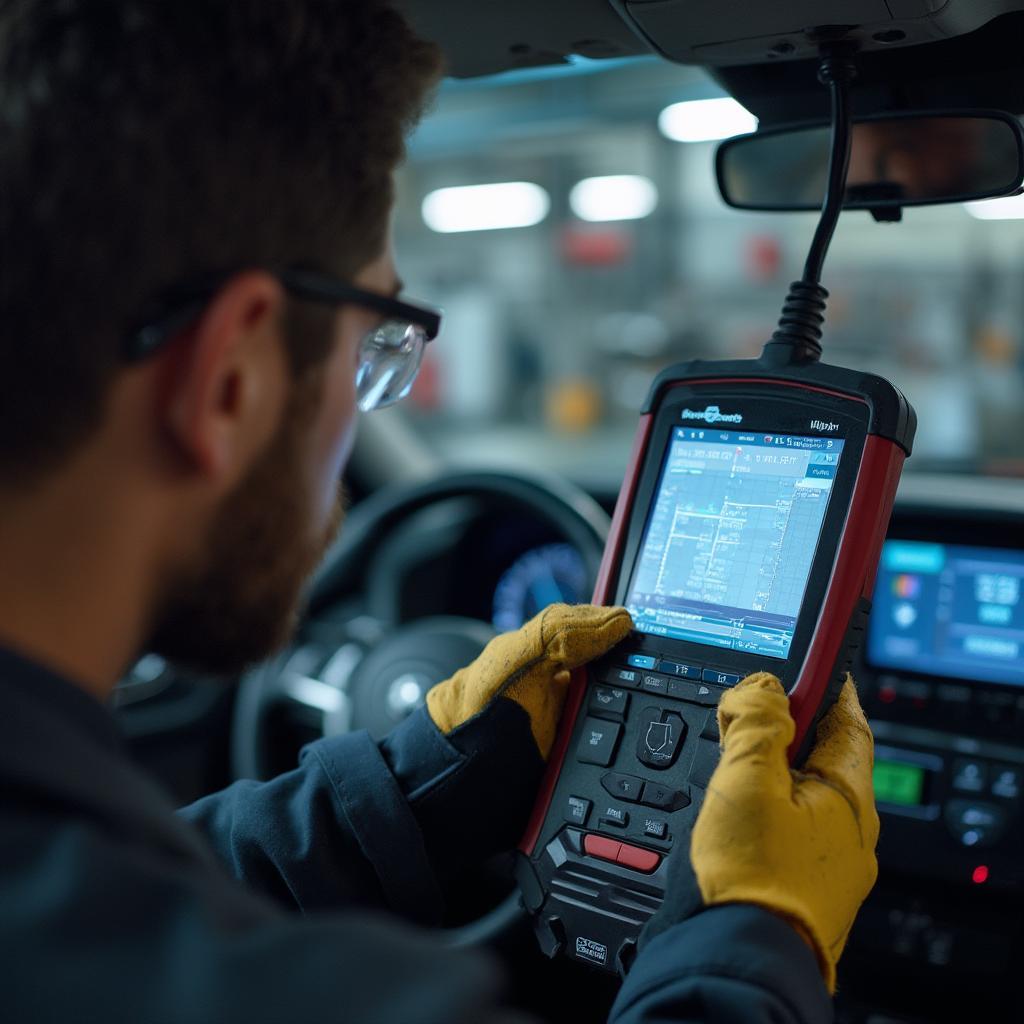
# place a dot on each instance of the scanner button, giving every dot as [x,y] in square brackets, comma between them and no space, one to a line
[628,677]
[625,787]
[577,810]
[664,798]
[615,816]
[641,661]
[598,742]
[656,828]
[598,846]
[677,668]
[712,675]
[707,695]
[653,684]
[637,859]
[970,776]
[1007,781]
[682,690]
[661,737]
[608,702]
[975,823]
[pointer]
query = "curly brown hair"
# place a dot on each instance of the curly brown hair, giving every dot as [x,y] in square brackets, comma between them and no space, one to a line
[145,141]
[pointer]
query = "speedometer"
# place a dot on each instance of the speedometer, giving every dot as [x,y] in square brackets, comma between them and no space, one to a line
[546,575]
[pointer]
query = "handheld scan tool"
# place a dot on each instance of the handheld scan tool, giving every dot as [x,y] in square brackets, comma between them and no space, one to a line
[746,537]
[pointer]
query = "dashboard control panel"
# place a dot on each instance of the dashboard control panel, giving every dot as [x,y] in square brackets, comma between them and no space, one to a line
[942,682]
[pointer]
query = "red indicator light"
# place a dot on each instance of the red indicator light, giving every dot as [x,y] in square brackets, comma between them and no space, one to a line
[886,694]
[979,874]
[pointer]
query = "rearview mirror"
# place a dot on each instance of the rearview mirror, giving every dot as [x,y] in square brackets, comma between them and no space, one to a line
[895,161]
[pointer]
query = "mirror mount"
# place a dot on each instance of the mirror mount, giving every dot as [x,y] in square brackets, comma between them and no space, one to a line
[886,214]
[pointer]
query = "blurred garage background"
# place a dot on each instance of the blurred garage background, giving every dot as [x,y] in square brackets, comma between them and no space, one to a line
[591,249]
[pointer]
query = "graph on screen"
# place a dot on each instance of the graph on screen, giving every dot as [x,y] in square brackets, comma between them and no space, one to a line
[731,538]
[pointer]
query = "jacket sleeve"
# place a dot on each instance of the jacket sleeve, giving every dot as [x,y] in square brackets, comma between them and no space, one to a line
[97,929]
[733,964]
[394,824]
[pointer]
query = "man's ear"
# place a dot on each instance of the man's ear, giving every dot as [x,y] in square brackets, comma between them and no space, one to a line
[226,381]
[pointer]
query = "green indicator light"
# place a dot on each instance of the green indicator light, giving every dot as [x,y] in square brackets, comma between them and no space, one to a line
[897,782]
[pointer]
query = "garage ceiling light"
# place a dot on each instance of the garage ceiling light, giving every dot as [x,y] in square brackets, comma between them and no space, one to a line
[705,120]
[1005,208]
[509,204]
[613,197]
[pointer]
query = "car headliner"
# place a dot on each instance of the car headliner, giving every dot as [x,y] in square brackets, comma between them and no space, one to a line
[979,68]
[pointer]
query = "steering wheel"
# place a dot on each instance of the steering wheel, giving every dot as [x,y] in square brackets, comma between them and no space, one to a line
[355,665]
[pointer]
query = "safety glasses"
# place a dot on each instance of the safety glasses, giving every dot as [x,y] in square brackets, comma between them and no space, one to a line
[389,356]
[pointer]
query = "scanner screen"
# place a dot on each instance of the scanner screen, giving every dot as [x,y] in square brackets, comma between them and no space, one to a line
[731,538]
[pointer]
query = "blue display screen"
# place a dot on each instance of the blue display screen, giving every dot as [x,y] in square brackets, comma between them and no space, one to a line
[946,610]
[731,538]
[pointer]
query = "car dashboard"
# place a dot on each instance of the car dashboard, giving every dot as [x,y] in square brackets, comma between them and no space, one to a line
[942,681]
[941,676]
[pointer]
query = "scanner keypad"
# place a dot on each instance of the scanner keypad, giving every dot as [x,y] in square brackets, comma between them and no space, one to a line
[640,714]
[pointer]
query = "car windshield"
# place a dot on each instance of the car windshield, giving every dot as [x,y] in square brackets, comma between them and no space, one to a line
[590,249]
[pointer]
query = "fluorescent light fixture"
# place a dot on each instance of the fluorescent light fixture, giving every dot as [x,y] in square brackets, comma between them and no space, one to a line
[508,204]
[1004,208]
[613,197]
[705,120]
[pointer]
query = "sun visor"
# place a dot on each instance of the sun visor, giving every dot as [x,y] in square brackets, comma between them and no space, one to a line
[732,32]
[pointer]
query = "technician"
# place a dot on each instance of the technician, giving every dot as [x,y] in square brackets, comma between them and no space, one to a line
[194,210]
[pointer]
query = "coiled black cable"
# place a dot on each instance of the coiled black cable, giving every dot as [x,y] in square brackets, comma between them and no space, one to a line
[797,339]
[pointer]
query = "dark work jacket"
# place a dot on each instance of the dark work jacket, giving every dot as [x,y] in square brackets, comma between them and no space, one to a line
[280,903]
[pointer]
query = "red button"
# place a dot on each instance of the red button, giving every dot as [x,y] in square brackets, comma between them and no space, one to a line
[637,859]
[598,846]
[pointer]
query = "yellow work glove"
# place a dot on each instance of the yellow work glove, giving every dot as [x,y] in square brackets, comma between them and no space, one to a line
[798,842]
[531,668]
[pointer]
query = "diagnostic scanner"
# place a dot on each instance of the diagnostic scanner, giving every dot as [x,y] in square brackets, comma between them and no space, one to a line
[746,538]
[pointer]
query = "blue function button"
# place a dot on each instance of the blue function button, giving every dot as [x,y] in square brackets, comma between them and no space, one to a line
[677,668]
[641,661]
[712,675]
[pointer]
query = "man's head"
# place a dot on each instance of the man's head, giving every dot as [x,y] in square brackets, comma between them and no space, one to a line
[143,144]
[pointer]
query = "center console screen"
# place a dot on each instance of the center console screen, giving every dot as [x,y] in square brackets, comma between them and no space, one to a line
[947,610]
[731,538]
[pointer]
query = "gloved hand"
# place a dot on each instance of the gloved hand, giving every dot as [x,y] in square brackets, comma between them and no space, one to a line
[472,779]
[797,842]
[530,667]
[469,764]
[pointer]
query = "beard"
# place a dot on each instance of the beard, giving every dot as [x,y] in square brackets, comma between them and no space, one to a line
[243,604]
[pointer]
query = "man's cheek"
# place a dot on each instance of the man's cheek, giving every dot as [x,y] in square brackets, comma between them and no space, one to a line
[333,466]
[343,449]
